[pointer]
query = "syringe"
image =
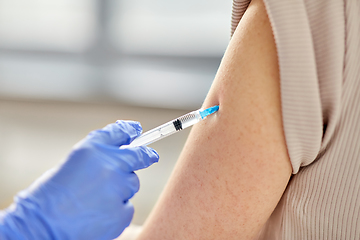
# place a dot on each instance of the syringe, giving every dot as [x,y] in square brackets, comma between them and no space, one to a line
[171,127]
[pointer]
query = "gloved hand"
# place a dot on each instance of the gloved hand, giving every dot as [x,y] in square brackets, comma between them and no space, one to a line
[87,196]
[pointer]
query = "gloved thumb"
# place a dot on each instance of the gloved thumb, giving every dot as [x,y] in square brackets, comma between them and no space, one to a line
[117,134]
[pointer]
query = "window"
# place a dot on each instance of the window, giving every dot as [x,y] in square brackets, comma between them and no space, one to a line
[57,25]
[156,53]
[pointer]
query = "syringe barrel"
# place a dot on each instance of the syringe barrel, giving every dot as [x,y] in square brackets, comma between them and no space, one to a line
[154,135]
[167,129]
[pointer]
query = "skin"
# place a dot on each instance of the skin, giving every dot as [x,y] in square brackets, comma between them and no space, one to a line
[234,167]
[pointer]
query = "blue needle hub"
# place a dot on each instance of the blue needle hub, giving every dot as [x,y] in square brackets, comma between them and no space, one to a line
[209,111]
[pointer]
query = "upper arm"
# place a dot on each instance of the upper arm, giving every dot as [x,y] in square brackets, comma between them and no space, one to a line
[234,167]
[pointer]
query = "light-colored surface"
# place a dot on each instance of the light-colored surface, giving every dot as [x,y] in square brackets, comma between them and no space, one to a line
[63,25]
[186,28]
[34,136]
[142,82]
[135,27]
[103,50]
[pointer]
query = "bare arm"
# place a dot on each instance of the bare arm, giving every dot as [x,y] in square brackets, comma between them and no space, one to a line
[235,166]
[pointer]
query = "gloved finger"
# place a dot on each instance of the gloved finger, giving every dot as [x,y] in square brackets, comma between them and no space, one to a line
[128,190]
[117,134]
[132,159]
[123,215]
[126,213]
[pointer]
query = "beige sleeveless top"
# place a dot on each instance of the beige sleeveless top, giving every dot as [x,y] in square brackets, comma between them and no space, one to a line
[318,45]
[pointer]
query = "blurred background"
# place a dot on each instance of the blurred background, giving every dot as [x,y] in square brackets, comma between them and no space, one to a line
[70,66]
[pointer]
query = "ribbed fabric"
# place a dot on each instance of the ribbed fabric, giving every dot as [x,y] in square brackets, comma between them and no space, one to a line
[318,46]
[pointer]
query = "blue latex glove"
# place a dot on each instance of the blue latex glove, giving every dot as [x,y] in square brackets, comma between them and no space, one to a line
[87,196]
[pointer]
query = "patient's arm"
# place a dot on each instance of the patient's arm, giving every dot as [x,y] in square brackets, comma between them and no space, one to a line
[235,166]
